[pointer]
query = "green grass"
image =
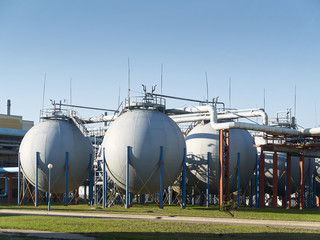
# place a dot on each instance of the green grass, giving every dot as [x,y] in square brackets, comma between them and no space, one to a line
[293,214]
[138,229]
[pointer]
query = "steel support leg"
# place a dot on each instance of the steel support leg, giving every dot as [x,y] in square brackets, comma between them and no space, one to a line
[161,177]
[184,181]
[301,192]
[103,179]
[257,182]
[314,188]
[24,190]
[309,183]
[66,199]
[251,192]
[36,180]
[127,178]
[238,179]
[90,181]
[19,180]
[261,184]
[220,167]
[288,177]
[275,181]
[207,189]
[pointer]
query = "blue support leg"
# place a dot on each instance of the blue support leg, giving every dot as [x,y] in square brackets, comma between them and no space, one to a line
[244,196]
[36,180]
[184,180]
[207,189]
[66,198]
[24,190]
[257,182]
[251,192]
[104,179]
[19,180]
[314,188]
[90,181]
[49,194]
[127,178]
[161,177]
[238,179]
[309,182]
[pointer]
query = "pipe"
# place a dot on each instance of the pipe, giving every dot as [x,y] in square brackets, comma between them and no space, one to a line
[12,132]
[231,114]
[261,128]
[8,107]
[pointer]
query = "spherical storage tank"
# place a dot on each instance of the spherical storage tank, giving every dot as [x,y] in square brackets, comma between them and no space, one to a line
[144,131]
[203,139]
[52,139]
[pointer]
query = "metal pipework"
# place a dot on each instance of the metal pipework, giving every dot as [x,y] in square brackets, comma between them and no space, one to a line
[261,128]
[198,114]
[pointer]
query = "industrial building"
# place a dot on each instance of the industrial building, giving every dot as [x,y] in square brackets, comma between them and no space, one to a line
[12,130]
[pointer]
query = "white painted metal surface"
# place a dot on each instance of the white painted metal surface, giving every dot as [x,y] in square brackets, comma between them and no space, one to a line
[202,139]
[144,131]
[53,138]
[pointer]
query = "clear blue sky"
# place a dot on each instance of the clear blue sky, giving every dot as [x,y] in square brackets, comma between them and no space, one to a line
[272,45]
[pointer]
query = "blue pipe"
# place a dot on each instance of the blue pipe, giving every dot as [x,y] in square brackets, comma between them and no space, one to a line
[127,178]
[207,189]
[5,188]
[36,180]
[66,187]
[161,177]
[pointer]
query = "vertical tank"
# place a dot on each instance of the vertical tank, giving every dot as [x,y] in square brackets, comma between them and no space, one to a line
[202,139]
[52,139]
[144,131]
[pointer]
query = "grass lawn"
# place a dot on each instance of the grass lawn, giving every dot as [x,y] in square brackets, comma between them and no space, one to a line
[294,214]
[124,229]
[140,229]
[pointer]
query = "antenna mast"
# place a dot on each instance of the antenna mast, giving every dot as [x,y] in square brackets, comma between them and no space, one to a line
[128,81]
[295,101]
[230,92]
[264,99]
[161,77]
[207,87]
[70,91]
[44,89]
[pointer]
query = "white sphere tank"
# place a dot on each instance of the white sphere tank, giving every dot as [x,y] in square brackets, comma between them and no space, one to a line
[144,131]
[203,139]
[52,139]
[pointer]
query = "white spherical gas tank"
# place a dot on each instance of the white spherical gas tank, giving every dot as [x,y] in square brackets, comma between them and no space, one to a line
[144,131]
[203,139]
[52,139]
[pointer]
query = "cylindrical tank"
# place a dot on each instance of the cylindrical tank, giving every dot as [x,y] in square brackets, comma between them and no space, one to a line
[295,172]
[203,139]
[52,139]
[144,131]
